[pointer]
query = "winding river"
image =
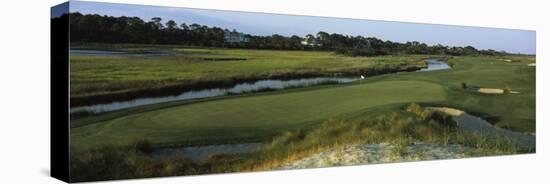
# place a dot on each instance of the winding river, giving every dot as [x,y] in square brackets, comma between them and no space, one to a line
[239,88]
[434,64]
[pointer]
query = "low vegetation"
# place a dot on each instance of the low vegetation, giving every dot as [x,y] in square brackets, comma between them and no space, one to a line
[400,128]
[463,85]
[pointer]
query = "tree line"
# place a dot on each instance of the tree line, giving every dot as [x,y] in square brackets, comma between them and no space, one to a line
[108,29]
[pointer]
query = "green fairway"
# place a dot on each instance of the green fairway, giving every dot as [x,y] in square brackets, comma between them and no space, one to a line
[257,117]
[252,118]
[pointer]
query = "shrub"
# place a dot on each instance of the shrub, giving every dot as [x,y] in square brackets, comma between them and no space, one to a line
[125,162]
[443,119]
[416,109]
[108,162]
[143,146]
[355,52]
[399,148]
[286,138]
[464,86]
[451,64]
[503,125]
[507,89]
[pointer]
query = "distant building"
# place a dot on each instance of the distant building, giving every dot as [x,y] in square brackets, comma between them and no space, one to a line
[310,40]
[234,37]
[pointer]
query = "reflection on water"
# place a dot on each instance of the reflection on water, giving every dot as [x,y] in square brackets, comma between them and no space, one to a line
[120,53]
[434,64]
[261,85]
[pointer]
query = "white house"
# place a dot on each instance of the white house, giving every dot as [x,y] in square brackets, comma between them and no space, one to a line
[310,40]
[235,37]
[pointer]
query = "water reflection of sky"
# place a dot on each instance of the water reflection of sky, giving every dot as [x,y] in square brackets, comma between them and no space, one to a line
[236,89]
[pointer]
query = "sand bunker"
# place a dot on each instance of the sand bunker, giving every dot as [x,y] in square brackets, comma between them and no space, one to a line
[447,110]
[379,153]
[531,64]
[494,91]
[510,60]
[490,91]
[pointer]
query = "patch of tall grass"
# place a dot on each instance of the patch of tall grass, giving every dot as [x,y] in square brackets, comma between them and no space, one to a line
[125,162]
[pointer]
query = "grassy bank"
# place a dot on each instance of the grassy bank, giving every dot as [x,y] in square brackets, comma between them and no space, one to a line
[104,77]
[404,127]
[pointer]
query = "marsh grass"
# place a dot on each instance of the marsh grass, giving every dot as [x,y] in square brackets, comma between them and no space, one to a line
[124,162]
[110,75]
[399,148]
[80,114]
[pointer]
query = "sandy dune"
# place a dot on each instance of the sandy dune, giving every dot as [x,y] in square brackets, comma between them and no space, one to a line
[379,153]
[384,153]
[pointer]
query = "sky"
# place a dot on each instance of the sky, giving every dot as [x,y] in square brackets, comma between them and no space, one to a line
[59,10]
[510,40]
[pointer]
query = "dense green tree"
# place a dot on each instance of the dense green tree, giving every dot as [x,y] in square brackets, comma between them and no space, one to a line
[108,29]
[171,25]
